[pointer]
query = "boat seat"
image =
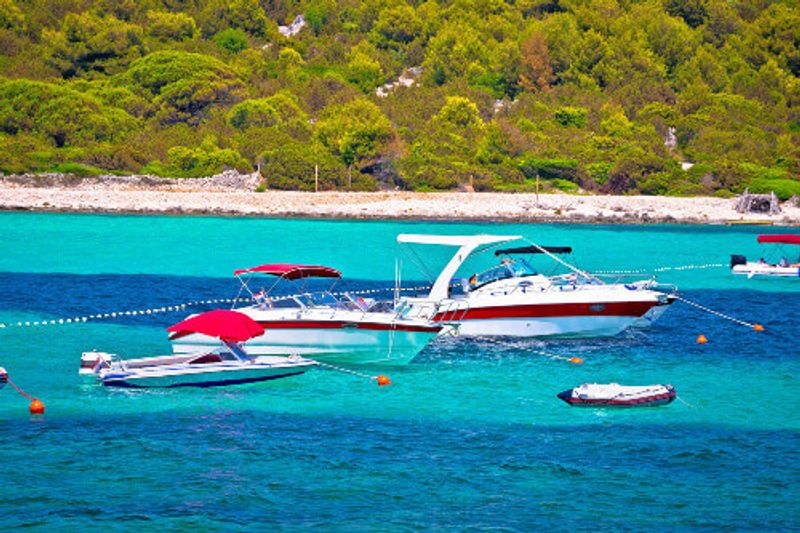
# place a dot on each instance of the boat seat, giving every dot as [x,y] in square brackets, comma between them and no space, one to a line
[206,359]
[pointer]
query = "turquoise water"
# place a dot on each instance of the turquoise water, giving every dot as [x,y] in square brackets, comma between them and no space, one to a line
[469,436]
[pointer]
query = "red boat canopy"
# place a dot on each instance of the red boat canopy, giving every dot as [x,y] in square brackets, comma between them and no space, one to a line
[226,325]
[289,271]
[780,239]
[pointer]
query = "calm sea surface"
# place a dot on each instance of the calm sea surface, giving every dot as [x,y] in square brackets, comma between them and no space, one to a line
[470,436]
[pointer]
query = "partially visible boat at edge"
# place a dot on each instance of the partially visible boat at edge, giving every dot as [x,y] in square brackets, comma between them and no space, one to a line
[514,299]
[226,364]
[782,268]
[341,329]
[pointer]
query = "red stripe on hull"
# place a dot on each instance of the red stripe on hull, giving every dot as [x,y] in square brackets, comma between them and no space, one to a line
[635,309]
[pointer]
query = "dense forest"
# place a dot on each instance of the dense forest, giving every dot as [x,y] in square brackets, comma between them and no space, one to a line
[607,95]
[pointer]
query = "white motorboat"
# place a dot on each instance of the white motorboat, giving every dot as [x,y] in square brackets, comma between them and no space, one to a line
[340,329]
[514,299]
[781,268]
[226,364]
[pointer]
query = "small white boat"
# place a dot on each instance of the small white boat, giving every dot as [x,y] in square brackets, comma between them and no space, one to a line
[227,364]
[781,268]
[616,395]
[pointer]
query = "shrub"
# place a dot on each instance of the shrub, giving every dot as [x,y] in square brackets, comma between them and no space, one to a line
[77,169]
[171,26]
[572,116]
[231,40]
[599,171]
[784,188]
[550,168]
[205,160]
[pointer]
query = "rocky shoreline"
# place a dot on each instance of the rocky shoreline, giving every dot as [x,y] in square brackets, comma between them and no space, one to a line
[233,194]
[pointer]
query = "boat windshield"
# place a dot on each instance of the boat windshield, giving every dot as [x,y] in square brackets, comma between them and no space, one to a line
[508,268]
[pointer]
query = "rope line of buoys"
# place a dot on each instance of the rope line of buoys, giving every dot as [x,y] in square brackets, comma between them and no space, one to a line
[380,378]
[751,325]
[661,269]
[178,307]
[36,407]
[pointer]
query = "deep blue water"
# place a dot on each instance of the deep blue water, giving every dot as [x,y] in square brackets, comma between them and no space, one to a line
[469,436]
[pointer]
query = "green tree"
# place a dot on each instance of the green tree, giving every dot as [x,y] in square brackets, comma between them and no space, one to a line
[245,15]
[66,117]
[281,110]
[182,85]
[444,155]
[362,70]
[355,132]
[396,27]
[11,16]
[170,26]
[88,43]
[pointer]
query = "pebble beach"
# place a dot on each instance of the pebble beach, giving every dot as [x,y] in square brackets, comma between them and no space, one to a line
[232,195]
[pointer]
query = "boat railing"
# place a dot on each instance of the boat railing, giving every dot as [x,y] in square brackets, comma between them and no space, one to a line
[420,309]
[452,310]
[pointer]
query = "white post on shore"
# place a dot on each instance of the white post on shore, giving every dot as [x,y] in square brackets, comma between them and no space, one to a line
[316,178]
[537,190]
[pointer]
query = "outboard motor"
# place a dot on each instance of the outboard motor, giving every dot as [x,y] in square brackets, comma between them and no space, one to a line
[738,260]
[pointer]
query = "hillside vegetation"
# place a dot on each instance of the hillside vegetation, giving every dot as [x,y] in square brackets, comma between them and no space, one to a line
[581,93]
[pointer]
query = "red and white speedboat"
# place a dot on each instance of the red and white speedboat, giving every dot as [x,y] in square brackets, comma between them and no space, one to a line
[330,328]
[514,299]
[782,268]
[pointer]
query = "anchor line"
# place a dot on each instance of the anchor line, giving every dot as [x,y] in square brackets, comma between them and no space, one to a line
[345,370]
[28,396]
[716,313]
[537,352]
[182,307]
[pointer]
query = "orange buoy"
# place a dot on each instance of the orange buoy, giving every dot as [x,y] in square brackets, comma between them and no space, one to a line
[701,339]
[37,407]
[383,380]
[576,361]
[758,327]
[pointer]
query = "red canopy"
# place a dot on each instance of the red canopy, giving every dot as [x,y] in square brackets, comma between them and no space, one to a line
[290,271]
[226,325]
[786,238]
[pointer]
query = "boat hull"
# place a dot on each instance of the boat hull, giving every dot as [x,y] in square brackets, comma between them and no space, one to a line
[770,271]
[337,344]
[577,320]
[559,327]
[181,376]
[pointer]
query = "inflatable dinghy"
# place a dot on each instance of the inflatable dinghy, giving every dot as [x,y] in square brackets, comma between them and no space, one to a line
[616,395]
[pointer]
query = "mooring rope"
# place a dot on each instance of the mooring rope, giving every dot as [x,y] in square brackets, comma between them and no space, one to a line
[573,360]
[380,379]
[750,325]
